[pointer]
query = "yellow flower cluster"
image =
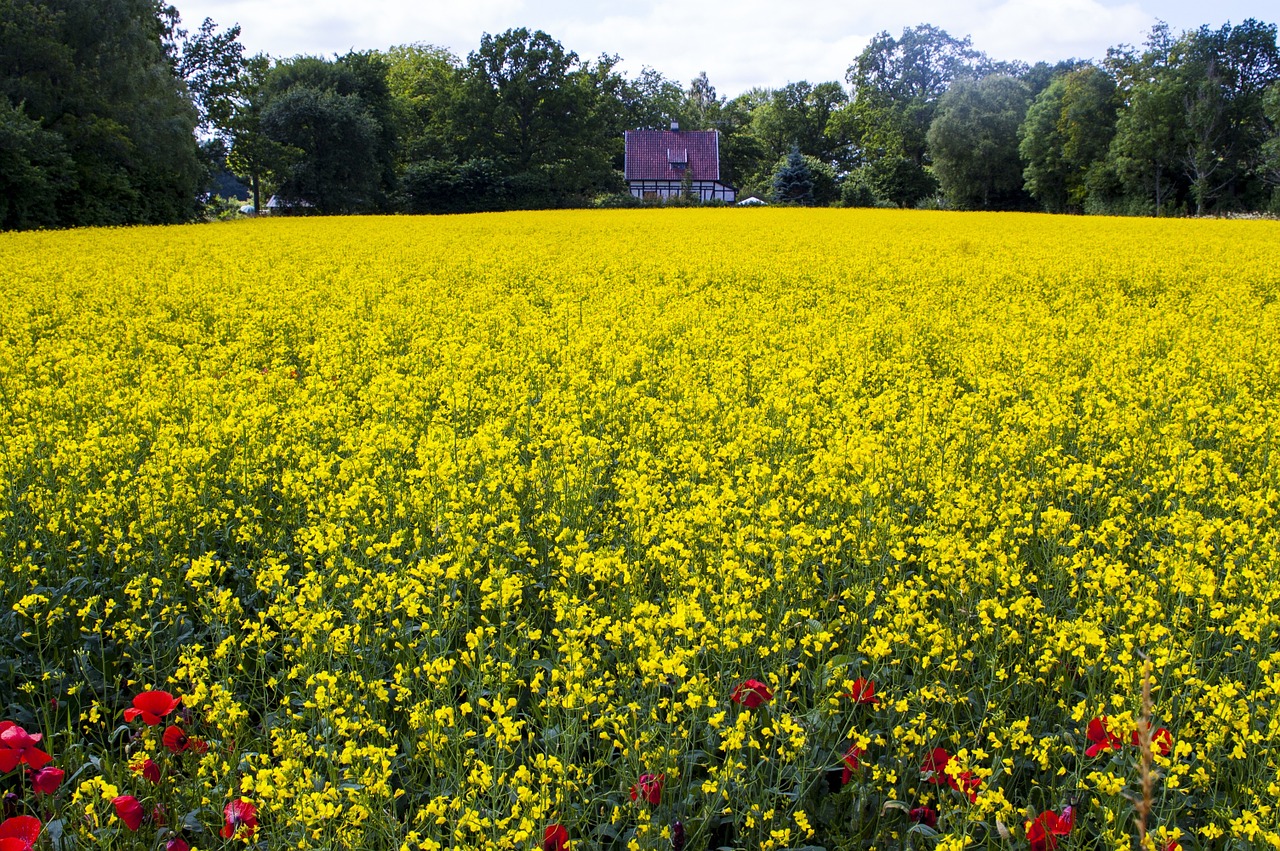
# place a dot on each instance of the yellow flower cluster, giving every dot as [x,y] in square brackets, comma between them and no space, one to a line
[449,530]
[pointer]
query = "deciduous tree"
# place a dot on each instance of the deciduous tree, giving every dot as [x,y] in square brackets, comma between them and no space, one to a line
[974,143]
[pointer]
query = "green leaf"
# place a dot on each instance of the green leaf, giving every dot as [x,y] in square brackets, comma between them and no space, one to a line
[54,829]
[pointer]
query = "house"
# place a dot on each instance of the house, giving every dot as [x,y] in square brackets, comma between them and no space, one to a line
[277,205]
[667,163]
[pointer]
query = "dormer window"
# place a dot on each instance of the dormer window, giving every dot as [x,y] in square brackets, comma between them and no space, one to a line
[678,158]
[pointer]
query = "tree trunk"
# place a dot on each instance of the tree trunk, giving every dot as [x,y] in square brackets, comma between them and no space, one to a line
[1159,194]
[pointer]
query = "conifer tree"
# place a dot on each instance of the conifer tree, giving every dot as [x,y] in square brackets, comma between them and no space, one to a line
[793,182]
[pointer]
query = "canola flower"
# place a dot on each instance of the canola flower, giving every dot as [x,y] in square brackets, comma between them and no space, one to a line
[466,532]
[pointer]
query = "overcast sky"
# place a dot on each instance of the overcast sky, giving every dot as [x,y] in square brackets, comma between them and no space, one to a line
[739,43]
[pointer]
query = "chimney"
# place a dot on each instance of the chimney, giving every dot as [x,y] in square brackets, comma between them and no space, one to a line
[675,126]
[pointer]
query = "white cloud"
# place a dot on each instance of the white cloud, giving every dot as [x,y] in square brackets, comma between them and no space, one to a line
[739,43]
[324,27]
[1050,30]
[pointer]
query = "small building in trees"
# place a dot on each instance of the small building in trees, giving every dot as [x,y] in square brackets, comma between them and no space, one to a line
[672,163]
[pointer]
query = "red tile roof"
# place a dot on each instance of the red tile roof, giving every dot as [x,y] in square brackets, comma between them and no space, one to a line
[653,154]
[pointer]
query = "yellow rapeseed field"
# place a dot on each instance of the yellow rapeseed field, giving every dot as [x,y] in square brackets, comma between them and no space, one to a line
[661,529]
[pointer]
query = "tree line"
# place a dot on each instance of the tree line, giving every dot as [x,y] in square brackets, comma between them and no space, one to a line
[113,113]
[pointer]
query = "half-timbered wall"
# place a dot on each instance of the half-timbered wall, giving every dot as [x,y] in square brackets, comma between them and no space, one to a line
[705,190]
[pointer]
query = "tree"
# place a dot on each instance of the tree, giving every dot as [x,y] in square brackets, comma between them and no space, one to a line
[800,114]
[252,154]
[425,83]
[100,77]
[1150,130]
[1270,151]
[974,143]
[896,85]
[1224,75]
[551,122]
[1066,134]
[330,123]
[745,162]
[702,103]
[793,181]
[212,63]
[651,101]
[34,170]
[520,94]
[897,180]
[1193,121]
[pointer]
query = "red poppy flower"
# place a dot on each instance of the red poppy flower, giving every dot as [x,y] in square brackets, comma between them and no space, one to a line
[129,809]
[649,788]
[151,707]
[935,767]
[47,780]
[751,693]
[19,833]
[18,747]
[148,769]
[1101,736]
[927,816]
[851,763]
[967,784]
[863,691]
[554,838]
[241,819]
[177,843]
[177,741]
[1043,833]
[1161,738]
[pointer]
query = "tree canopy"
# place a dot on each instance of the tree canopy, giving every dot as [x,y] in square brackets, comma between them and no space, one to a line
[102,129]
[974,143]
[113,113]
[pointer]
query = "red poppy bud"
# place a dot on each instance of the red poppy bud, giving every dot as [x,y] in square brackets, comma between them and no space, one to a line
[851,763]
[129,810]
[47,780]
[751,693]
